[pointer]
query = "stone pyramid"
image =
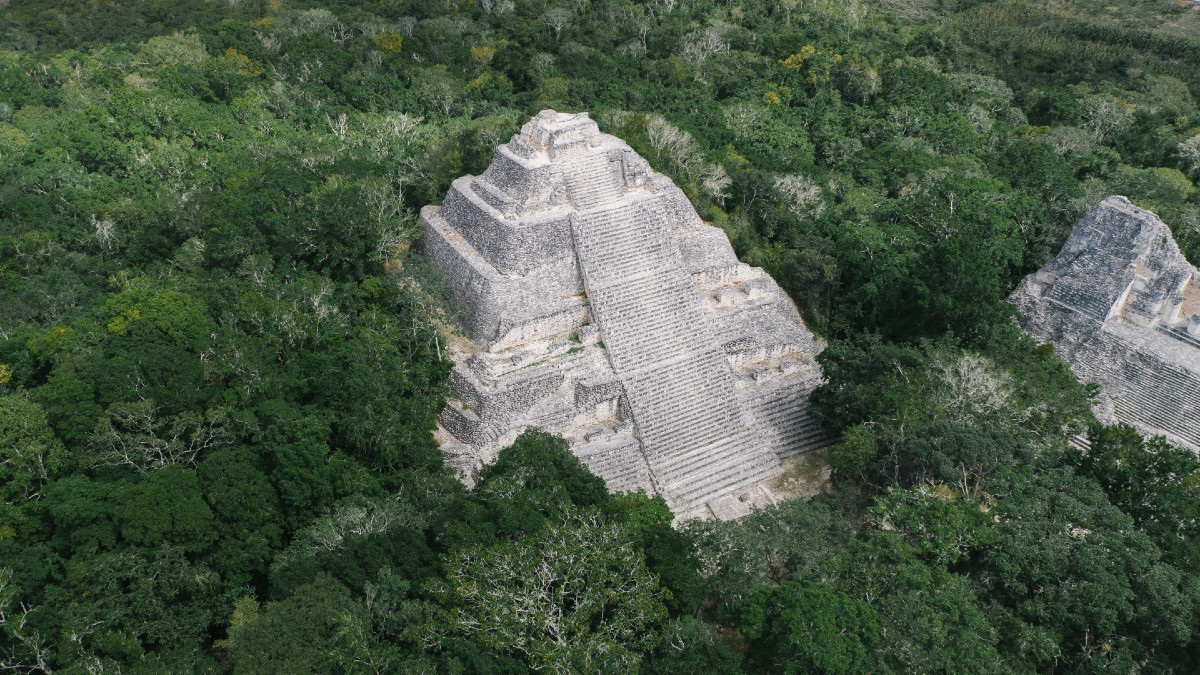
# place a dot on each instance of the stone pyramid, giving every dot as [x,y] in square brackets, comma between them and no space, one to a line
[599,306]
[1121,304]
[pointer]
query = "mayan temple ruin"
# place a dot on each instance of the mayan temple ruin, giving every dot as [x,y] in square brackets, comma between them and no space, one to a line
[600,307]
[1121,304]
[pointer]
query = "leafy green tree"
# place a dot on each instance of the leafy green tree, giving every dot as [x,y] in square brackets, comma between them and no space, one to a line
[930,620]
[32,454]
[81,512]
[358,539]
[1156,483]
[248,516]
[1162,190]
[669,553]
[866,380]
[299,467]
[796,540]
[963,457]
[691,646]
[942,284]
[531,482]
[1069,561]
[115,607]
[944,526]
[808,628]
[316,630]
[69,403]
[853,456]
[164,506]
[1040,173]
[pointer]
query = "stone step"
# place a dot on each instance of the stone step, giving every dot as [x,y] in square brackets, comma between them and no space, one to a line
[732,464]
[1178,388]
[1188,382]
[783,417]
[622,466]
[465,425]
[593,181]
[646,320]
[737,475]
[683,437]
[597,193]
[684,403]
[494,196]
[800,436]
[671,470]
[1166,399]
[624,240]
[677,380]
[1181,335]
[1139,412]
[1083,300]
[676,406]
[696,421]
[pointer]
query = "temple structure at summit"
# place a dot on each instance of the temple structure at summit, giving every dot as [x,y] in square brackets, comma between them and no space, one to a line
[1121,304]
[599,306]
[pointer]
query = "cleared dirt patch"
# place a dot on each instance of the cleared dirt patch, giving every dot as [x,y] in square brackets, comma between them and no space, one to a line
[805,475]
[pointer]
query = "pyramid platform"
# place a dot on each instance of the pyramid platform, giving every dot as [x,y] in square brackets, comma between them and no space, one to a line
[597,305]
[1121,305]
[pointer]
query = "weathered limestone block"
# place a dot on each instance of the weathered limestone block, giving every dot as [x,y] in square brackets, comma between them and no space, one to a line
[599,306]
[512,245]
[1119,304]
[589,394]
[527,181]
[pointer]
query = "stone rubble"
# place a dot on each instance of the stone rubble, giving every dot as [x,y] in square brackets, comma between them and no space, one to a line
[1121,305]
[599,306]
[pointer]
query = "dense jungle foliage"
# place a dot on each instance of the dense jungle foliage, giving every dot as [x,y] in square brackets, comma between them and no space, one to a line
[220,364]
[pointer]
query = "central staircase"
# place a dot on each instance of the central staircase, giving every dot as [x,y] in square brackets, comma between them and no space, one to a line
[678,384]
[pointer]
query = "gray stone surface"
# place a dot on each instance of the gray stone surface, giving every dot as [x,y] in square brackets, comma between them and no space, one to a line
[599,306]
[1119,303]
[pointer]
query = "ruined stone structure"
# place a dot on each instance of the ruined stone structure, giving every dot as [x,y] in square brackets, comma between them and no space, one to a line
[1121,304]
[599,306]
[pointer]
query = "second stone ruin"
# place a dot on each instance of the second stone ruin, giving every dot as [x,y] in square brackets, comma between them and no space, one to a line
[599,306]
[1121,304]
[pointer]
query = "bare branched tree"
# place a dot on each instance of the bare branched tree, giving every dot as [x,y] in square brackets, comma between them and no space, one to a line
[742,118]
[545,596]
[788,6]
[1105,115]
[801,194]
[1189,152]
[973,389]
[134,434]
[340,33]
[338,126]
[557,19]
[27,650]
[106,232]
[700,46]
[683,153]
